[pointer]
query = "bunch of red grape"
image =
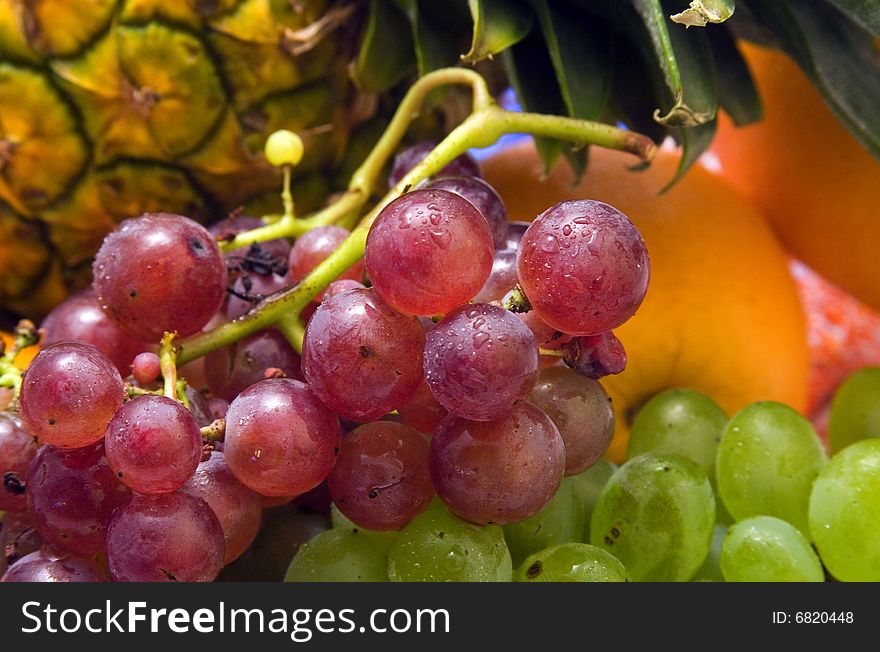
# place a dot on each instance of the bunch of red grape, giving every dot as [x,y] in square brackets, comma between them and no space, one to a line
[415,380]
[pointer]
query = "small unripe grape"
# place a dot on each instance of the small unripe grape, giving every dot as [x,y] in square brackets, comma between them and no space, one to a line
[284,147]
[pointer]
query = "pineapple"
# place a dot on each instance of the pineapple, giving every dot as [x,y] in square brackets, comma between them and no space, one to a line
[110,108]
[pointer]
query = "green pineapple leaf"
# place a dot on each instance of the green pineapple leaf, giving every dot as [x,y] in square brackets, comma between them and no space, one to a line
[498,24]
[702,12]
[386,52]
[864,12]
[737,94]
[837,54]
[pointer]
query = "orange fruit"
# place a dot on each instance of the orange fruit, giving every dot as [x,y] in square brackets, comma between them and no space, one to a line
[24,357]
[721,315]
[819,188]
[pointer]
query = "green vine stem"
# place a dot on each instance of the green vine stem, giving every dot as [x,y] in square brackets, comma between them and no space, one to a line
[482,128]
[168,366]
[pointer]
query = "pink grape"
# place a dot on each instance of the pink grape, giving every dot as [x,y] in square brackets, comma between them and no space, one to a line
[582,412]
[18,538]
[238,509]
[480,360]
[484,197]
[17,451]
[280,439]
[160,272]
[428,252]
[361,358]
[72,495]
[501,279]
[584,267]
[249,289]
[153,444]
[146,368]
[464,165]
[341,285]
[312,247]
[217,407]
[423,412]
[48,565]
[515,232]
[228,228]
[234,368]
[595,356]
[69,393]
[169,538]
[80,318]
[500,471]
[544,333]
[381,479]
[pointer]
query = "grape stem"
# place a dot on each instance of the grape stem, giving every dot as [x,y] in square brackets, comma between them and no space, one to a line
[483,127]
[215,430]
[168,365]
[286,196]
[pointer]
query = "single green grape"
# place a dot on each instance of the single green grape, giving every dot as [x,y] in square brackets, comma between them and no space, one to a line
[571,562]
[439,547]
[768,549]
[855,409]
[656,515]
[340,521]
[585,490]
[339,555]
[767,460]
[710,571]
[560,521]
[679,421]
[845,513]
[284,147]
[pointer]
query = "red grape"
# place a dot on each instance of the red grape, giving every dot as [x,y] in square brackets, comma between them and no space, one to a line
[428,252]
[340,286]
[48,565]
[238,509]
[423,412]
[81,318]
[153,444]
[361,358]
[584,267]
[228,228]
[480,360]
[217,407]
[249,289]
[499,471]
[464,165]
[17,450]
[69,393]
[313,247]
[160,272]
[501,279]
[169,538]
[234,368]
[582,412]
[146,368]
[72,495]
[18,537]
[280,440]
[595,356]
[484,197]
[515,232]
[381,479]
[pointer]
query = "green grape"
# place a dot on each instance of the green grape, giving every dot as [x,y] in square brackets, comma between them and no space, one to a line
[710,571]
[339,555]
[845,513]
[560,521]
[439,547]
[855,409]
[768,549]
[767,460]
[656,515]
[341,521]
[585,489]
[572,562]
[679,421]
